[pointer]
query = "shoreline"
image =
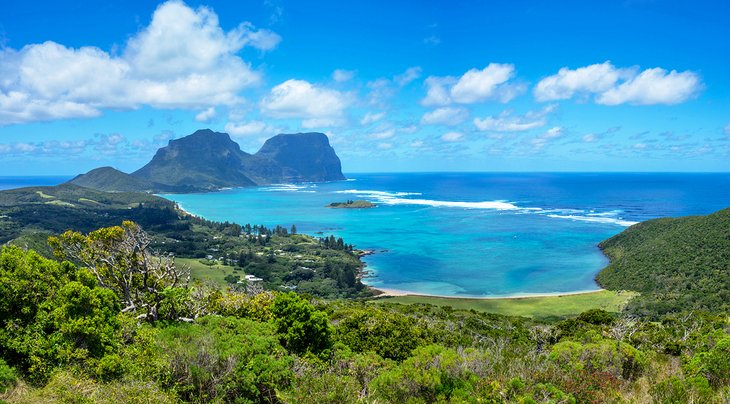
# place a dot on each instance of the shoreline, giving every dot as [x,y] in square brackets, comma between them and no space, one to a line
[388,292]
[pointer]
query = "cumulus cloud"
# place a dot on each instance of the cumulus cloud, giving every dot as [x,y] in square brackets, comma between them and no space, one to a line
[101,144]
[383,88]
[452,137]
[612,86]
[371,117]
[654,86]
[318,106]
[542,140]
[206,115]
[182,59]
[411,73]
[490,83]
[385,134]
[506,122]
[249,128]
[340,75]
[445,116]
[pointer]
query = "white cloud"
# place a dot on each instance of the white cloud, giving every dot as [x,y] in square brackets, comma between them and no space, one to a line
[438,91]
[445,116]
[321,123]
[452,137]
[262,39]
[340,75]
[249,128]
[371,117]
[490,83]
[589,138]
[318,106]
[566,83]
[182,59]
[206,115]
[385,146]
[411,73]
[386,134]
[727,129]
[417,144]
[381,89]
[542,140]
[654,86]
[432,40]
[613,86]
[505,122]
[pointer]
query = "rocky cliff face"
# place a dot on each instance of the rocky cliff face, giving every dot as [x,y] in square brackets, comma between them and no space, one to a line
[208,160]
[303,157]
[203,160]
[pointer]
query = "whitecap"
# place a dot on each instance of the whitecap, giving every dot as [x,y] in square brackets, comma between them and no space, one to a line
[596,219]
[400,198]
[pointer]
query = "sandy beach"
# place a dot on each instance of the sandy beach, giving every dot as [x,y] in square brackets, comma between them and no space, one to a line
[387,292]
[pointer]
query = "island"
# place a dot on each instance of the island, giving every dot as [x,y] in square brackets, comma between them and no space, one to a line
[350,204]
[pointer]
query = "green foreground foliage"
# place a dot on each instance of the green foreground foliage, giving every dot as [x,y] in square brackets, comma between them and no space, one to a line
[68,335]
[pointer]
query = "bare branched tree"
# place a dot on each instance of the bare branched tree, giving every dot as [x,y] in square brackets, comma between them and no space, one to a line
[121,260]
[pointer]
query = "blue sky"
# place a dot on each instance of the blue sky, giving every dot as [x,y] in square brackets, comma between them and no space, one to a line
[413,86]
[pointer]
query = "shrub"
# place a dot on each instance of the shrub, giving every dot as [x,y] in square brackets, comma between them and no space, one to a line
[714,364]
[300,326]
[433,373]
[390,335]
[8,377]
[596,317]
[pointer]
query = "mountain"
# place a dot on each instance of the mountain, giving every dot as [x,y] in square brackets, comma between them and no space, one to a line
[205,160]
[303,157]
[111,179]
[208,160]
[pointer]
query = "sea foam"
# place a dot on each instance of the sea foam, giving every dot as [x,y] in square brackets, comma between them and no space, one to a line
[399,198]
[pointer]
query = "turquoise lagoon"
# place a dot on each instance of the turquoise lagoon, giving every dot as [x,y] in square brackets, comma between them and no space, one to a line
[474,234]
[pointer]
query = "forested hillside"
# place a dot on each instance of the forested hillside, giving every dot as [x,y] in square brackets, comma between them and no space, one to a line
[676,264]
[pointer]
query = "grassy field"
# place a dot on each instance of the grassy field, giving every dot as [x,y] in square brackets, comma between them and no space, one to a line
[538,307]
[200,271]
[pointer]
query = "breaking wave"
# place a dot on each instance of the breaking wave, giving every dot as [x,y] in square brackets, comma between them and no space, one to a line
[401,198]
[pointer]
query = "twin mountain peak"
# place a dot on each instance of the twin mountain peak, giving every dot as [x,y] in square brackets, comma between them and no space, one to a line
[208,160]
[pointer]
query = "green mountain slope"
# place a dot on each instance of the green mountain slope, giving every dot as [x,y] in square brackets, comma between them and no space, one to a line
[676,264]
[111,179]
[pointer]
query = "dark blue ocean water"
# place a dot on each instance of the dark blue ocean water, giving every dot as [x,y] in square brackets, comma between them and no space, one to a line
[10,182]
[475,234]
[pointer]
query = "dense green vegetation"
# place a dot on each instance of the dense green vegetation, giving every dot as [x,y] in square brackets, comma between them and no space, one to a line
[64,337]
[676,264]
[325,267]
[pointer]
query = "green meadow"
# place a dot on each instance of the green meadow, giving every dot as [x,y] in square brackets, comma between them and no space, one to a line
[537,307]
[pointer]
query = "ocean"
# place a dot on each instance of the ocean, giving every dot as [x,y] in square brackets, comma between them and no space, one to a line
[474,234]
[11,182]
[467,234]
